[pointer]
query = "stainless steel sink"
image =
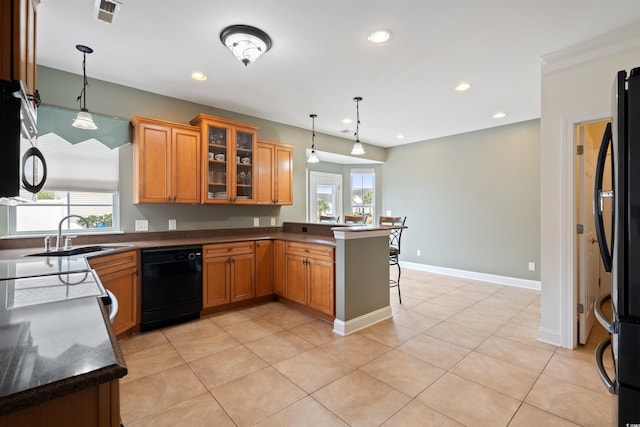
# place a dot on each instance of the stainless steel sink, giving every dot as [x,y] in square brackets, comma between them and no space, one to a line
[75,251]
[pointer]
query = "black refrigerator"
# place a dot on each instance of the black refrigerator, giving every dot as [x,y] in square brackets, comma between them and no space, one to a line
[620,250]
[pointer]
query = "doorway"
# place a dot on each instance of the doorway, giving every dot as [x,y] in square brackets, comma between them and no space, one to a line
[325,195]
[591,277]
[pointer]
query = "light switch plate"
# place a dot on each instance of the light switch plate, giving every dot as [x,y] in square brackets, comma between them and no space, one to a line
[532,266]
[273,221]
[388,213]
[256,222]
[172,224]
[142,225]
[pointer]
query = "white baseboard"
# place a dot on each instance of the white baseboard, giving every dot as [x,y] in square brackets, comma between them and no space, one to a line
[549,337]
[483,277]
[350,326]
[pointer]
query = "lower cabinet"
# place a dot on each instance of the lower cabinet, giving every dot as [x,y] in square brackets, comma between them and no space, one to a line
[228,273]
[309,272]
[119,274]
[264,268]
[278,267]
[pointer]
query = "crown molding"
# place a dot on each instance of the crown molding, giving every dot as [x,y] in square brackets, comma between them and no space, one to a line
[623,39]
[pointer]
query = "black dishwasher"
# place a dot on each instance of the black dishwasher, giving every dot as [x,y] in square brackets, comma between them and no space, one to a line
[171,286]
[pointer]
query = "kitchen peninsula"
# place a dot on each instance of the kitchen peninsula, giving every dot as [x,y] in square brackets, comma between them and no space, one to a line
[353,293]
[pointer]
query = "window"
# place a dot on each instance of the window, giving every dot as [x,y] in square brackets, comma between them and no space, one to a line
[44,215]
[82,180]
[325,195]
[362,192]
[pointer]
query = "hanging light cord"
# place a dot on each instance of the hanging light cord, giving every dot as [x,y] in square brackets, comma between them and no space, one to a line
[313,132]
[82,98]
[357,134]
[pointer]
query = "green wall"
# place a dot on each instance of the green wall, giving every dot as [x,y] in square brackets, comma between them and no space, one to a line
[472,200]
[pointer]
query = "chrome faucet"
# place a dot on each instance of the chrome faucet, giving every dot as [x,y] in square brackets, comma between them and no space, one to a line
[59,238]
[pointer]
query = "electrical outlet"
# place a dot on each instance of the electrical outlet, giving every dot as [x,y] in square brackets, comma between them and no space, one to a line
[142,225]
[273,221]
[532,266]
[172,224]
[256,222]
[388,213]
[418,252]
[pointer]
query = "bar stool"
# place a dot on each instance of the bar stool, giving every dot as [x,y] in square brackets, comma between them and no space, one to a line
[355,219]
[395,236]
[329,218]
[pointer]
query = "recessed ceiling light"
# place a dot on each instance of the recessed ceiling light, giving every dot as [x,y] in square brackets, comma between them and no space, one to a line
[400,136]
[379,36]
[499,115]
[198,76]
[461,87]
[347,121]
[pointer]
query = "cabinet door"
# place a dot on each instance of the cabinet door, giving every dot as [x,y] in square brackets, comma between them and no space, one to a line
[152,163]
[264,268]
[185,176]
[245,161]
[18,39]
[123,284]
[278,268]
[296,278]
[242,277]
[217,157]
[265,155]
[216,277]
[321,285]
[283,175]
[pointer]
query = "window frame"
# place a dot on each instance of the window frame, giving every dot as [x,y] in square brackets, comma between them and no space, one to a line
[363,171]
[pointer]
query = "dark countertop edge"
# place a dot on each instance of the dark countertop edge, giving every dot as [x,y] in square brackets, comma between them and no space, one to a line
[43,393]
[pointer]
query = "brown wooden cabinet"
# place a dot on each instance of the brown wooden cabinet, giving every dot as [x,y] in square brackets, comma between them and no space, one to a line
[228,273]
[228,159]
[166,162]
[119,273]
[310,276]
[18,42]
[278,268]
[264,268]
[275,173]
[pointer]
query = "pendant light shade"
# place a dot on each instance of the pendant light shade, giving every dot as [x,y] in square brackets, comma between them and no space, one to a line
[357,149]
[245,42]
[83,119]
[313,157]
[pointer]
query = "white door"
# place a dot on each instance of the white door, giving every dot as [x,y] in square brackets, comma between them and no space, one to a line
[588,256]
[325,195]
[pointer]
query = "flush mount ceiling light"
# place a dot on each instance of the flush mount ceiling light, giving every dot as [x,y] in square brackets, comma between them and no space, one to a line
[461,87]
[379,36]
[499,115]
[83,119]
[357,149]
[400,136]
[347,121]
[198,76]
[245,42]
[313,157]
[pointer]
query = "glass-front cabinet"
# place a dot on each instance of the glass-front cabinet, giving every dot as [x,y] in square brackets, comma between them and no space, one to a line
[228,160]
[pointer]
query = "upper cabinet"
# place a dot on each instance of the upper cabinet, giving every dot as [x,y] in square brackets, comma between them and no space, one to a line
[275,173]
[18,41]
[228,158]
[166,162]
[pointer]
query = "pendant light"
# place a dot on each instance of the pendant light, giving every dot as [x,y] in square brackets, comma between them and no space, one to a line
[83,119]
[245,42]
[313,157]
[357,149]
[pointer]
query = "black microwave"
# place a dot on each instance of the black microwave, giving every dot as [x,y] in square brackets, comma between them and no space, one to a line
[22,165]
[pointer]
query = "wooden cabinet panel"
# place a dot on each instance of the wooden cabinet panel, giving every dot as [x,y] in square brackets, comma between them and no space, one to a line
[264,267]
[242,277]
[275,173]
[225,249]
[18,41]
[166,162]
[278,268]
[119,273]
[296,278]
[216,281]
[321,285]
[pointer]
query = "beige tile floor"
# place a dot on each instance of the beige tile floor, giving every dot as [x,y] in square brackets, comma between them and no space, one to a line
[457,352]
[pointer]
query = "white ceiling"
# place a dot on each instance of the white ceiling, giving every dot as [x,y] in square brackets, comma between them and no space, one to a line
[321,60]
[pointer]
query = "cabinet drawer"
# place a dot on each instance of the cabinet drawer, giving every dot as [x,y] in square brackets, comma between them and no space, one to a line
[306,249]
[225,249]
[106,264]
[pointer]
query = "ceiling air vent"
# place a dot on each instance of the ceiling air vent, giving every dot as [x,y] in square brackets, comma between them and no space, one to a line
[107,10]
